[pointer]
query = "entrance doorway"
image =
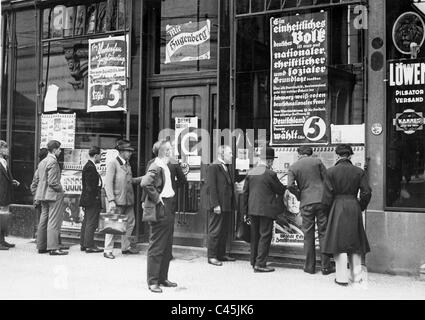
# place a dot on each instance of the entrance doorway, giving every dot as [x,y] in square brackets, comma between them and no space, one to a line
[170,106]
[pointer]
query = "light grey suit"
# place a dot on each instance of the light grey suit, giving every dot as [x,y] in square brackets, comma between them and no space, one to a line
[49,192]
[119,188]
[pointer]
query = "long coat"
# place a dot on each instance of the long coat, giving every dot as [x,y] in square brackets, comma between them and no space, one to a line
[92,185]
[6,186]
[345,232]
[220,188]
[260,193]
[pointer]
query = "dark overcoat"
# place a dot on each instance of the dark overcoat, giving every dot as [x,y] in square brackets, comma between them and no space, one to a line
[345,231]
[261,191]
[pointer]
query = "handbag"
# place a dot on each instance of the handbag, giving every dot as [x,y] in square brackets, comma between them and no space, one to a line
[244,230]
[152,212]
[111,223]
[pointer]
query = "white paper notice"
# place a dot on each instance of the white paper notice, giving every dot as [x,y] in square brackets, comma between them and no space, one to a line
[353,133]
[51,101]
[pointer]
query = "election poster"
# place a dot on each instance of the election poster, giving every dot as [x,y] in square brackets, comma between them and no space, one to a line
[107,74]
[188,42]
[299,79]
[60,127]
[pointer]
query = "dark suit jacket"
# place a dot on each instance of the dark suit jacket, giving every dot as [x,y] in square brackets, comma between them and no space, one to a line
[220,188]
[6,186]
[309,173]
[92,184]
[260,193]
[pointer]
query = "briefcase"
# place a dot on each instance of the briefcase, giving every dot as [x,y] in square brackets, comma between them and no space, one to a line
[244,230]
[111,223]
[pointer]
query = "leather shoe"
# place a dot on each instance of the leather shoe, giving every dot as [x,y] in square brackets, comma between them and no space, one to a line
[344,284]
[168,283]
[155,288]
[263,269]
[93,250]
[8,245]
[58,252]
[130,252]
[214,261]
[43,251]
[327,271]
[227,258]
[3,247]
[108,255]
[83,248]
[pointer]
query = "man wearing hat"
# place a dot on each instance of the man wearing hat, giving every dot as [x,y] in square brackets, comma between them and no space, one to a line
[260,201]
[120,195]
[306,179]
[345,237]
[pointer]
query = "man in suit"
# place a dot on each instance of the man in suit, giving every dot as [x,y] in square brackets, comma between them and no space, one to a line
[159,192]
[221,204]
[90,201]
[49,194]
[261,203]
[6,194]
[120,196]
[306,179]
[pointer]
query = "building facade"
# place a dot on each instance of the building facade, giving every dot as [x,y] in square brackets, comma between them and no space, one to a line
[290,72]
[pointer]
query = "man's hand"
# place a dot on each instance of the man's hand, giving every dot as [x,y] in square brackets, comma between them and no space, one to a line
[217,210]
[15,183]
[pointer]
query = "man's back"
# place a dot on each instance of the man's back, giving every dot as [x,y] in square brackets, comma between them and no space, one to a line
[309,174]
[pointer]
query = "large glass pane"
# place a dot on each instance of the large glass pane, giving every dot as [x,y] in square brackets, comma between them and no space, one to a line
[24,105]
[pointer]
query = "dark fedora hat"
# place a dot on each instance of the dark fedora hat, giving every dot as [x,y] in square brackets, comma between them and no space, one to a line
[124,145]
[270,153]
[344,150]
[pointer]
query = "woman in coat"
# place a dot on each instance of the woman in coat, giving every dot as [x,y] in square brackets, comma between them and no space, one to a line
[345,237]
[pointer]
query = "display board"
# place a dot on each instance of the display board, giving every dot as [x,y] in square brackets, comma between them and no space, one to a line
[289,230]
[60,127]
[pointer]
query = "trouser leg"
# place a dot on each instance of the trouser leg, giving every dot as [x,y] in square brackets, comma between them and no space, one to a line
[355,261]
[255,237]
[125,239]
[165,263]
[266,232]
[42,226]
[83,228]
[54,223]
[157,244]
[92,221]
[109,243]
[3,226]
[308,226]
[224,230]
[214,228]
[341,267]
[322,222]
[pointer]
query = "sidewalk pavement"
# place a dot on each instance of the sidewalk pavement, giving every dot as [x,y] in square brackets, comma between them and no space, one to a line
[25,274]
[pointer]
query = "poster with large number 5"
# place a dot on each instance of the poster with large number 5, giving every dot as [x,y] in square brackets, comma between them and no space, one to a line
[299,79]
[107,75]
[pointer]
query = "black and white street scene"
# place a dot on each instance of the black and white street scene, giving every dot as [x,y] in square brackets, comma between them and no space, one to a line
[212,150]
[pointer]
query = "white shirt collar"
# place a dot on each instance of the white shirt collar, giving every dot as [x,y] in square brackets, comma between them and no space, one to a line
[122,160]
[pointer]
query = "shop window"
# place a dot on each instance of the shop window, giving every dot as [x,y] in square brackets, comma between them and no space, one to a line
[345,104]
[5,25]
[24,105]
[169,23]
